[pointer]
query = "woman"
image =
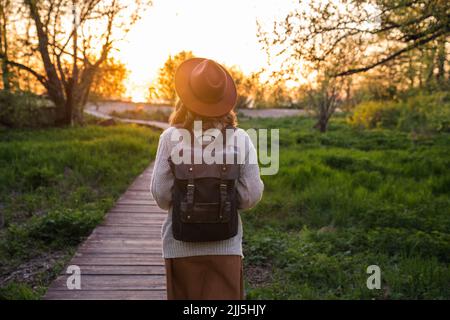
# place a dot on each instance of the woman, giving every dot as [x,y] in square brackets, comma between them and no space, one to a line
[212,269]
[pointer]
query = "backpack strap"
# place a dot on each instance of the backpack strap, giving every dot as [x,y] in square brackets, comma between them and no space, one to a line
[190,188]
[222,191]
[223,186]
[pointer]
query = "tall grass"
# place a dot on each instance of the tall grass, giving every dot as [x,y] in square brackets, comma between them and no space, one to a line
[55,187]
[348,199]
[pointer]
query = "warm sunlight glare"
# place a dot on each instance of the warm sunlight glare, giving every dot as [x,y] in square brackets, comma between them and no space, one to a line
[220,30]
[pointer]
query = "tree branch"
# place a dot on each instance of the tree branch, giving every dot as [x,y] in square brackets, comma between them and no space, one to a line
[38,76]
[392,56]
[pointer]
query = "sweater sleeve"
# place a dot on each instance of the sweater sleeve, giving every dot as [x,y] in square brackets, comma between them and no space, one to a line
[249,185]
[162,178]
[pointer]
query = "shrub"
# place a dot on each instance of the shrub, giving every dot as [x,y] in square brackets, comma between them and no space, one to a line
[19,291]
[421,113]
[425,113]
[141,114]
[25,109]
[374,114]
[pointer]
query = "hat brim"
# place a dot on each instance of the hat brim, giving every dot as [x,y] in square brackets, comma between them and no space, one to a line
[192,102]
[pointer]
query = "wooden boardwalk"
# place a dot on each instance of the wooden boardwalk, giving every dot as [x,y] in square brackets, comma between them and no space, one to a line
[121,259]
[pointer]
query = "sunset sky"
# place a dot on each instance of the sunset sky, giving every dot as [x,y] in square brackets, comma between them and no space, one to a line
[220,30]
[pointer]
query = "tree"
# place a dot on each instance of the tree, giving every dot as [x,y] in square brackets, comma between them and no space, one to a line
[5,8]
[249,88]
[70,41]
[109,81]
[382,30]
[324,99]
[164,87]
[341,38]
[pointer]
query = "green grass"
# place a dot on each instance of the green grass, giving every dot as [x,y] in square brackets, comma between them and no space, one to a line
[341,201]
[345,200]
[55,187]
[141,114]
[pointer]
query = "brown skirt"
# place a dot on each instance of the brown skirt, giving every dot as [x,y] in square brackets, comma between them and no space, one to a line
[209,277]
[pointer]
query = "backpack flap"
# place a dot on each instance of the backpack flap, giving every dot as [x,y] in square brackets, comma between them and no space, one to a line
[218,171]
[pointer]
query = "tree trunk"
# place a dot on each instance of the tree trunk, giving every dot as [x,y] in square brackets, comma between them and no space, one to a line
[322,125]
[430,67]
[4,48]
[54,85]
[5,76]
[441,59]
[322,121]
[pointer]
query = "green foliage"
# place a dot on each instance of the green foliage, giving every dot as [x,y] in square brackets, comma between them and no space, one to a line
[164,86]
[25,109]
[141,114]
[20,291]
[419,113]
[66,227]
[56,185]
[347,199]
[373,114]
[109,81]
[426,113]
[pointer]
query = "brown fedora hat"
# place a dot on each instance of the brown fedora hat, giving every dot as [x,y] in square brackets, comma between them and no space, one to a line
[205,87]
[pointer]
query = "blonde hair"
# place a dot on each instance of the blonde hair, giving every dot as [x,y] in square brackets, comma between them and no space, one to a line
[183,117]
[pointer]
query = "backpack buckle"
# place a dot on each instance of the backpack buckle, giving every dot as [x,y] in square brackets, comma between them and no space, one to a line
[190,193]
[223,198]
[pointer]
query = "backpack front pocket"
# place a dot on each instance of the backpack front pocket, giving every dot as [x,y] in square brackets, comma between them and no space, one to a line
[205,212]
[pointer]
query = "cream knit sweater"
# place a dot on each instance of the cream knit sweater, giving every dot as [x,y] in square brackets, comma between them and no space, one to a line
[249,187]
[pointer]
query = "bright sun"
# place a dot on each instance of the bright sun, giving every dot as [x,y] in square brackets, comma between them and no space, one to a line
[220,30]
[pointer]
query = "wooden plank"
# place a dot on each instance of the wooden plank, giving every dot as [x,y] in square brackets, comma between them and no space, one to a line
[156,220]
[118,259]
[155,249]
[136,209]
[136,219]
[122,255]
[118,270]
[128,229]
[145,246]
[113,250]
[114,282]
[125,222]
[109,235]
[129,225]
[122,242]
[136,197]
[139,187]
[118,230]
[107,295]
[136,215]
[133,202]
[138,194]
[122,229]
[131,237]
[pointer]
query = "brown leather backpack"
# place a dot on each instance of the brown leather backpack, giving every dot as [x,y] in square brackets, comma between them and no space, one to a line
[205,200]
